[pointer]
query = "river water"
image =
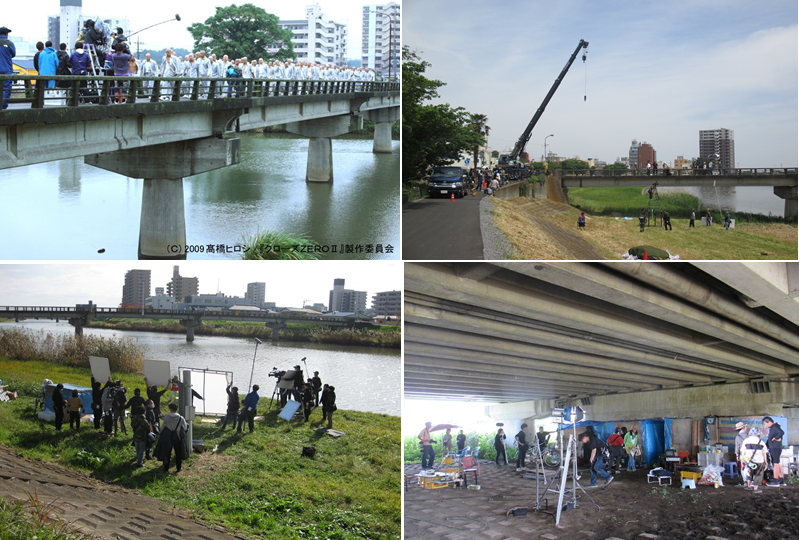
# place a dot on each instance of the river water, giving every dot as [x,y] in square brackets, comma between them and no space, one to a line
[757,200]
[366,379]
[69,210]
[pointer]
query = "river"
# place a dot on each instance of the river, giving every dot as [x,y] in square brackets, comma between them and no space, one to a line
[366,379]
[67,210]
[757,200]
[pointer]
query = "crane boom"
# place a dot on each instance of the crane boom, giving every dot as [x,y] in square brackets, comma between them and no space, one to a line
[525,137]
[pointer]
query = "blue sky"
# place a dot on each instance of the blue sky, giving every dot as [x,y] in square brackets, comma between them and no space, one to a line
[657,72]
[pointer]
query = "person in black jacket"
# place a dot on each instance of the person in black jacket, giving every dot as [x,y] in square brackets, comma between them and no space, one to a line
[58,406]
[64,65]
[233,405]
[97,401]
[155,395]
[136,401]
[596,447]
[330,405]
[323,401]
[774,444]
[499,445]
[317,387]
[307,399]
[521,439]
[39,49]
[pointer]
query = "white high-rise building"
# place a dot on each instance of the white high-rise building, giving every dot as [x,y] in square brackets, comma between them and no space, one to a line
[380,45]
[346,300]
[256,294]
[317,38]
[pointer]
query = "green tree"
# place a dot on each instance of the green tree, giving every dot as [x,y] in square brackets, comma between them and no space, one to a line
[240,31]
[478,124]
[616,167]
[495,154]
[432,135]
[574,165]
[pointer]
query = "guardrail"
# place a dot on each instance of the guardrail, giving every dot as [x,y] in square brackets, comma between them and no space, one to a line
[76,90]
[760,171]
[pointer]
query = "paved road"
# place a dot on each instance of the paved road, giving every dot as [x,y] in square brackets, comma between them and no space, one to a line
[440,229]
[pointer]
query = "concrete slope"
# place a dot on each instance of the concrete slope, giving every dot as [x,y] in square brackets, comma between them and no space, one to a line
[98,508]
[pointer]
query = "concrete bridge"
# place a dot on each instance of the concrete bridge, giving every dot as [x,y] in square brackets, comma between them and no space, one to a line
[82,314]
[624,340]
[783,180]
[165,129]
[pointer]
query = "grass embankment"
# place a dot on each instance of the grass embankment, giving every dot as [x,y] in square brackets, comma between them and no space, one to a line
[35,519]
[628,201]
[612,237]
[374,336]
[257,484]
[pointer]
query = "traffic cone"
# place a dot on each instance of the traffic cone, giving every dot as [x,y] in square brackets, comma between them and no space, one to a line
[645,257]
[452,198]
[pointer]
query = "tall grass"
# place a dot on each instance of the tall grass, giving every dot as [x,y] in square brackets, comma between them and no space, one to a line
[123,355]
[374,336]
[277,245]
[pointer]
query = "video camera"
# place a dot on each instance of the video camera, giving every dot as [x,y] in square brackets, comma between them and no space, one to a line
[276,373]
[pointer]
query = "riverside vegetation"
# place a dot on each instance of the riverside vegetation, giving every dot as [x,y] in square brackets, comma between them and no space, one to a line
[370,336]
[257,484]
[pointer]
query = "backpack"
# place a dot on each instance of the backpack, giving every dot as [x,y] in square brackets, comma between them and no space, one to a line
[178,434]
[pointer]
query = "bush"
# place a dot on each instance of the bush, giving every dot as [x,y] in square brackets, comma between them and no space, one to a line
[413,452]
[123,355]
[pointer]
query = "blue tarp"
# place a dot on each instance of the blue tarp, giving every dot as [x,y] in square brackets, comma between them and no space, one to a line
[84,392]
[653,439]
[667,440]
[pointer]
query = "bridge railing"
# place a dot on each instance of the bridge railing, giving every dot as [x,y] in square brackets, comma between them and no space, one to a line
[74,90]
[11,311]
[768,171]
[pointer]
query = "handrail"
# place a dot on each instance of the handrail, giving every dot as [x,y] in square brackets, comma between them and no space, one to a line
[103,90]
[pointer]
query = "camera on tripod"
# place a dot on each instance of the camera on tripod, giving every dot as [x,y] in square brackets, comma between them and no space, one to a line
[278,374]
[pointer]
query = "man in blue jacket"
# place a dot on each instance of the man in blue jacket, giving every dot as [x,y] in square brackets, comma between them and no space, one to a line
[48,63]
[7,52]
[248,409]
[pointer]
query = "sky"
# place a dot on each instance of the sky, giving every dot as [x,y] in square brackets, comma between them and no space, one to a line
[656,71]
[143,13]
[288,283]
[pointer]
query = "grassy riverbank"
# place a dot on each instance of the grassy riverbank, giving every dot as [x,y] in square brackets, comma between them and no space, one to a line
[628,201]
[372,336]
[256,484]
[529,228]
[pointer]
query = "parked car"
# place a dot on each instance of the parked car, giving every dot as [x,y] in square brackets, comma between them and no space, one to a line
[446,181]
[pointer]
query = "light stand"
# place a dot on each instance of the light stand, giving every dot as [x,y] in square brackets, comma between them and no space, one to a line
[257,342]
[574,415]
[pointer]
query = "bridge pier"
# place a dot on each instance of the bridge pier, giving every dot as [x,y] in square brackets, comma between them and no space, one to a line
[383,119]
[190,325]
[276,328]
[162,230]
[789,193]
[320,149]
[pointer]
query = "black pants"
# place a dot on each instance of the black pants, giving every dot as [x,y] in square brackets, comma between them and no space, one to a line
[521,455]
[59,417]
[501,455]
[98,414]
[249,416]
[74,419]
[178,448]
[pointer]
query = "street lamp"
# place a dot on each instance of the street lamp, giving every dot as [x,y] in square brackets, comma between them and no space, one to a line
[545,151]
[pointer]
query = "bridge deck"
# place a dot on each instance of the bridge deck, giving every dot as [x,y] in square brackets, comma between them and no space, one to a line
[683,178]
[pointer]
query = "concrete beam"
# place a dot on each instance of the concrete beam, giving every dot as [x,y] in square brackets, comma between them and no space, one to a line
[536,305]
[171,161]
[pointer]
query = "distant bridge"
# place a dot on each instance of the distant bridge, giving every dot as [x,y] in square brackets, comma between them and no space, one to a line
[167,128]
[783,180]
[82,314]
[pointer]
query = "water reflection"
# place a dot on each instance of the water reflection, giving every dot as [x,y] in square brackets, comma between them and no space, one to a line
[266,191]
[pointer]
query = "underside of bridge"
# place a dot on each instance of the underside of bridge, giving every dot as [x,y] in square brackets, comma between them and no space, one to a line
[636,338]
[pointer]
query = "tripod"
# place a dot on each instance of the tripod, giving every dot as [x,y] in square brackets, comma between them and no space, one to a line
[571,459]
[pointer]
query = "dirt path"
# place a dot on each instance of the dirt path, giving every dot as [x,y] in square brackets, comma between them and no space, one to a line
[98,508]
[548,218]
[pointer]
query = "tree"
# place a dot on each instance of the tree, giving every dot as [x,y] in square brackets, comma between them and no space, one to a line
[242,31]
[478,124]
[574,165]
[616,167]
[432,135]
